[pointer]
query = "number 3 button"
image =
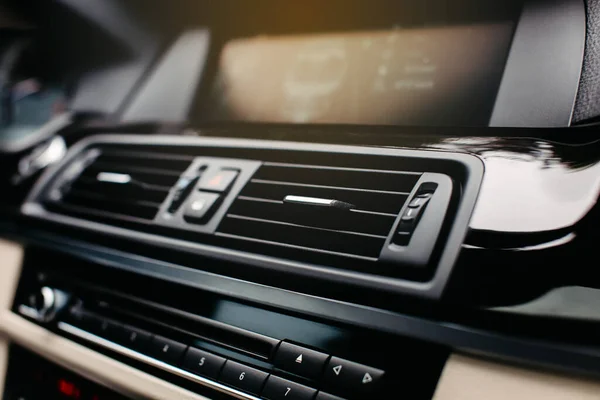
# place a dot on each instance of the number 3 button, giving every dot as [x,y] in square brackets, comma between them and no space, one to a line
[243,377]
[281,389]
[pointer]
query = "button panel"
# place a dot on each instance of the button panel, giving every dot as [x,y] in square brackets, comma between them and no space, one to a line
[337,376]
[278,388]
[300,361]
[243,377]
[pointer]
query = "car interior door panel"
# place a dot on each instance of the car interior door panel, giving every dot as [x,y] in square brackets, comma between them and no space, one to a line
[303,200]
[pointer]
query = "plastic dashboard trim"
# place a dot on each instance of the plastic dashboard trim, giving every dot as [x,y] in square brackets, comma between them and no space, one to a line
[432,289]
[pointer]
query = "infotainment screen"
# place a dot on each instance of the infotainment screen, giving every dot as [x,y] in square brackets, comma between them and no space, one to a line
[447,75]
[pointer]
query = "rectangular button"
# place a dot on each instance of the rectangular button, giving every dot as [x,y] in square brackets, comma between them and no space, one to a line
[243,377]
[136,339]
[327,396]
[282,389]
[203,363]
[167,350]
[300,361]
[410,214]
[219,182]
[352,379]
[418,202]
[104,327]
[80,318]
[199,206]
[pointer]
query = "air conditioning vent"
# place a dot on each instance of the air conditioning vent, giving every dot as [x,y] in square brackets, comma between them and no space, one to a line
[113,184]
[381,218]
[261,215]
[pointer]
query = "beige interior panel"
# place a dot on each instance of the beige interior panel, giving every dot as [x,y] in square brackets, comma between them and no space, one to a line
[3,361]
[467,378]
[11,257]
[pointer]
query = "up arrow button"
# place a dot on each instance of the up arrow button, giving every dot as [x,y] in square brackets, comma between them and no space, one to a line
[300,361]
[367,378]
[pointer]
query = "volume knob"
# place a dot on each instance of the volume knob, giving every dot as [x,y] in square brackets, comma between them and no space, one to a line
[47,302]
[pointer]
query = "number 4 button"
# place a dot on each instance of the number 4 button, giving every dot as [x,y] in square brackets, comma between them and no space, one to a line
[277,388]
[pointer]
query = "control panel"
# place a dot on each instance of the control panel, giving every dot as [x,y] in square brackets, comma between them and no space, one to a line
[210,342]
[336,378]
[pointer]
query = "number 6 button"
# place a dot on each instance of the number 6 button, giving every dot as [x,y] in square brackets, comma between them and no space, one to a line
[243,377]
[281,389]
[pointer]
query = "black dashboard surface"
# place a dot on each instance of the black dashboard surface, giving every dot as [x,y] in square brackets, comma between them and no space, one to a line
[532,231]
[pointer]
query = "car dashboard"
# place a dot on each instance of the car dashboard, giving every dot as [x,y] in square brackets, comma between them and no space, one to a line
[339,201]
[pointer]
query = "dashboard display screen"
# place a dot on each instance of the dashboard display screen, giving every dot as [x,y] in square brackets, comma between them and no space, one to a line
[415,76]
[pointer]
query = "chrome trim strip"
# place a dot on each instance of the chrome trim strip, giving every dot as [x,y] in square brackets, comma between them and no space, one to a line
[153,362]
[314,201]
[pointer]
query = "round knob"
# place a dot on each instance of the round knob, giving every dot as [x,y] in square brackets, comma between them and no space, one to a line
[47,302]
[44,302]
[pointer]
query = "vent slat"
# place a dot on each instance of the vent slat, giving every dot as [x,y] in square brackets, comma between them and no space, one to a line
[360,179]
[338,242]
[74,193]
[171,162]
[151,176]
[150,193]
[306,216]
[94,214]
[364,200]
[136,209]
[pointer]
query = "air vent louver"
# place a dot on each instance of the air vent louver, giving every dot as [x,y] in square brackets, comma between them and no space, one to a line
[260,215]
[118,185]
[337,214]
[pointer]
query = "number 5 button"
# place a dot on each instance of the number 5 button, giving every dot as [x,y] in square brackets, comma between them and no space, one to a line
[203,363]
[281,389]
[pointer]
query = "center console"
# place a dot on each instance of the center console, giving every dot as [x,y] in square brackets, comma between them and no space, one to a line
[210,343]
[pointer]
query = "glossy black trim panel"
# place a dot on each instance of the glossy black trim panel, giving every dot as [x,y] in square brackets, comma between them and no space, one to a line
[472,169]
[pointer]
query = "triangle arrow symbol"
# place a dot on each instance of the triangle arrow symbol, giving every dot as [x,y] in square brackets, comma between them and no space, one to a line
[367,378]
[337,369]
[299,359]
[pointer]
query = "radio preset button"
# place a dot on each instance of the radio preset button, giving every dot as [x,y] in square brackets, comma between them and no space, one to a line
[166,349]
[203,363]
[281,389]
[243,377]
